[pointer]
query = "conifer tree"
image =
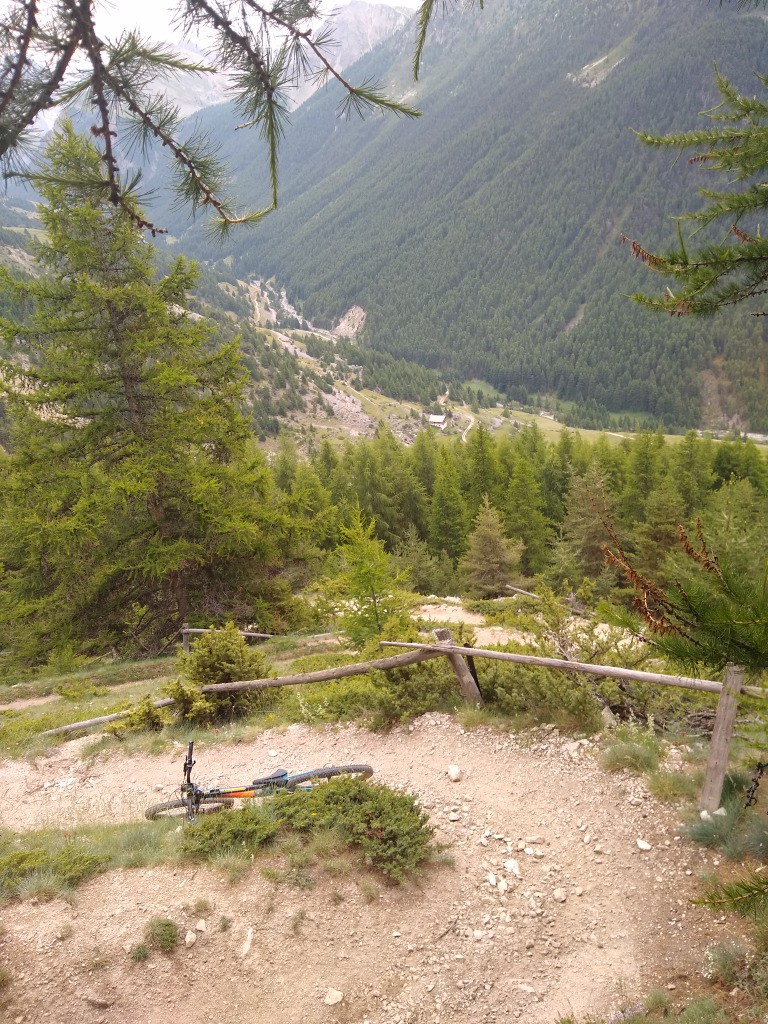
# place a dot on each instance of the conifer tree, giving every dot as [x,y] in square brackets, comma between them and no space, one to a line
[481,472]
[524,517]
[448,523]
[133,497]
[491,559]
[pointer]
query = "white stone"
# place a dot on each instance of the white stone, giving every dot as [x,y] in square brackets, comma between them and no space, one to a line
[643,845]
[490,878]
[333,996]
[720,812]
[454,773]
[273,753]
[705,816]
[247,944]
[513,866]
[190,939]
[559,895]
[454,816]
[502,885]
[200,926]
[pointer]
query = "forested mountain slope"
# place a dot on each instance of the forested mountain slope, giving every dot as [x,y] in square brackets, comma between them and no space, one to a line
[483,238]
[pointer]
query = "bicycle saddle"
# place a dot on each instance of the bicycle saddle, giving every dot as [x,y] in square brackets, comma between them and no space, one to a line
[278,773]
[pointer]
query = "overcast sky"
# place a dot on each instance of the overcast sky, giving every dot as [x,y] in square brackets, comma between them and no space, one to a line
[152,17]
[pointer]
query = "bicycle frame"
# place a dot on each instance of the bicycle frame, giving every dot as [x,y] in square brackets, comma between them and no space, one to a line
[197,800]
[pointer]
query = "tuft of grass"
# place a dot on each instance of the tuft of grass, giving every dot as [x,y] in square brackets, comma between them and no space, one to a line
[703,1011]
[225,923]
[43,884]
[5,978]
[298,920]
[760,935]
[163,934]
[234,864]
[337,896]
[476,717]
[370,891]
[756,836]
[140,953]
[325,843]
[672,787]
[337,866]
[199,908]
[723,963]
[657,1001]
[632,749]
[718,829]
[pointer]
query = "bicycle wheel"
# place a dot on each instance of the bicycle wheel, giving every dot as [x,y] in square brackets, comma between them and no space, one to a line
[316,776]
[178,808]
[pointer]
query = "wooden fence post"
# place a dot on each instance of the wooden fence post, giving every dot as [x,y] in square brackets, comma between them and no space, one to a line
[727,706]
[185,637]
[467,685]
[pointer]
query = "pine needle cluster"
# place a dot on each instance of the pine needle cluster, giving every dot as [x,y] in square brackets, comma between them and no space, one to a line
[52,54]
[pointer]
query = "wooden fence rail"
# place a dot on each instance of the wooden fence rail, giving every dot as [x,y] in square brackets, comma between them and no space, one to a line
[725,717]
[322,675]
[728,690]
[186,632]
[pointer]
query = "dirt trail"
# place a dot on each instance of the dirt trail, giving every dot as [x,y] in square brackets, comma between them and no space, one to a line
[591,915]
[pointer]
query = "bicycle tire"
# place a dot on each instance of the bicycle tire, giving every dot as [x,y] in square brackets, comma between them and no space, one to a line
[333,771]
[178,808]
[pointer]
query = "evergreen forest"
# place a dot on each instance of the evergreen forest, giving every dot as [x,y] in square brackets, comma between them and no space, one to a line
[483,240]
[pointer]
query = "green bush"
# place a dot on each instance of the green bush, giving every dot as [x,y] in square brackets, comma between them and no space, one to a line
[536,695]
[221,656]
[388,828]
[241,831]
[380,699]
[79,689]
[143,717]
[69,864]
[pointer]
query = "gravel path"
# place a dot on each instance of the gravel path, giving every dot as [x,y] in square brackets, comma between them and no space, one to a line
[550,906]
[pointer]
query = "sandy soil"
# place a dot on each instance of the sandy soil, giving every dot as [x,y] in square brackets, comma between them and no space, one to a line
[591,916]
[485,636]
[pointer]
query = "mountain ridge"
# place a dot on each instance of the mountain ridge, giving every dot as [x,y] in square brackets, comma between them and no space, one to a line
[481,238]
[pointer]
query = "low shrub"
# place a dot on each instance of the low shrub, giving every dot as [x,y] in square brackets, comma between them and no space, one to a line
[79,689]
[221,656]
[673,786]
[536,695]
[143,717]
[388,828]
[236,832]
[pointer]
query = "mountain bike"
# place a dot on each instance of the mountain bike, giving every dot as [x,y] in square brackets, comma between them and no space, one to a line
[195,800]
